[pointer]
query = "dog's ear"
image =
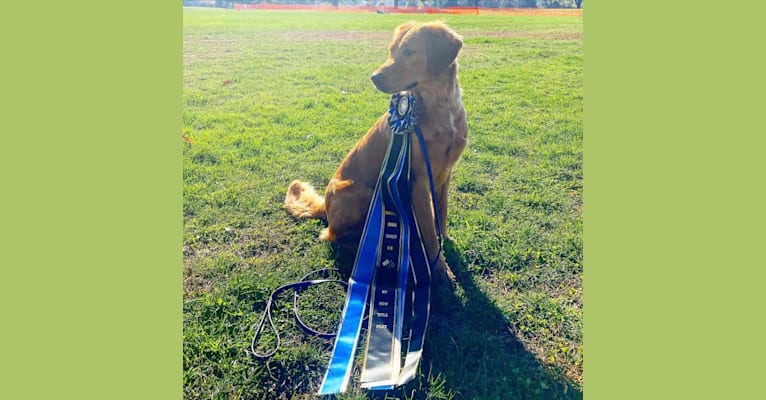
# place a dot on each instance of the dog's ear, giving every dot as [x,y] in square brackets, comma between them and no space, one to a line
[404,27]
[443,46]
[400,31]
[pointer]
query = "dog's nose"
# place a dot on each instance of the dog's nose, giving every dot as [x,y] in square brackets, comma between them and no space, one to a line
[377,79]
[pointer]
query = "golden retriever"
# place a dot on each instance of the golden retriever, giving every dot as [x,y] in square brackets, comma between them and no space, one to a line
[422,59]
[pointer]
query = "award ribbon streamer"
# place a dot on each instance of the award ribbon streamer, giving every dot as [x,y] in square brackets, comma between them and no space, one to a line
[419,267]
[383,356]
[390,253]
[367,257]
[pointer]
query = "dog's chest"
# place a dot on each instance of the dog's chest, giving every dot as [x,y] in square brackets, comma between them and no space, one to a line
[443,150]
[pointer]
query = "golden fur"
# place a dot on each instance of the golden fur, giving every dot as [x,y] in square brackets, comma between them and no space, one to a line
[422,59]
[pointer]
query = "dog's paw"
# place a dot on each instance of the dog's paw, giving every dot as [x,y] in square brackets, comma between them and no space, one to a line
[442,274]
[326,235]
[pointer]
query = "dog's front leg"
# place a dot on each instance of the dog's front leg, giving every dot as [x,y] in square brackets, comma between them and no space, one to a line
[442,190]
[423,209]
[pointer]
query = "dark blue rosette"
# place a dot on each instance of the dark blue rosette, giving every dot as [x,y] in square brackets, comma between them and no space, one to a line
[400,113]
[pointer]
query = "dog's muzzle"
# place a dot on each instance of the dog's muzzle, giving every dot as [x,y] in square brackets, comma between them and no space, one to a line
[377,80]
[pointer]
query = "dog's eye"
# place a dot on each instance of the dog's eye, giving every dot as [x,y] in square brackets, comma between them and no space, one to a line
[407,52]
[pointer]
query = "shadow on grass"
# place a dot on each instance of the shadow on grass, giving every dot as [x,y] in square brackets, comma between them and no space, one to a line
[470,351]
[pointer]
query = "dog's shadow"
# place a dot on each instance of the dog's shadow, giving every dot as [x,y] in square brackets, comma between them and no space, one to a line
[470,350]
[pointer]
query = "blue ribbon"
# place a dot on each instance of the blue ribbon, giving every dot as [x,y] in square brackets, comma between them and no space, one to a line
[339,370]
[368,255]
[383,360]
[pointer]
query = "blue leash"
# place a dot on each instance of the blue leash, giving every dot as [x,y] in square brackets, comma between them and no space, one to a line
[437,219]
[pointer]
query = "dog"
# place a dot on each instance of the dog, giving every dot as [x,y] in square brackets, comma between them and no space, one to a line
[422,59]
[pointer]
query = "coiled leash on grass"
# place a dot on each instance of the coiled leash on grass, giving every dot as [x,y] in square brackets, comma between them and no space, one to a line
[297,287]
[390,259]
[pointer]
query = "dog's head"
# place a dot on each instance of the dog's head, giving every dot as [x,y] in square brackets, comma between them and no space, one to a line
[418,54]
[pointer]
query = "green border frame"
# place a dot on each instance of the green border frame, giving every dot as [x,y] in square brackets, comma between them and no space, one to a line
[91,180]
[673,203]
[92,219]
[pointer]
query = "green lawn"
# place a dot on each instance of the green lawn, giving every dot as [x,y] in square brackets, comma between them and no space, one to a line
[270,97]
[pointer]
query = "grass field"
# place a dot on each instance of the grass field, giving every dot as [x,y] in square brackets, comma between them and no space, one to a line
[274,96]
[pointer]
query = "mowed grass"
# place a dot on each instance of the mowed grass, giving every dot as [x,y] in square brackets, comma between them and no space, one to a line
[270,97]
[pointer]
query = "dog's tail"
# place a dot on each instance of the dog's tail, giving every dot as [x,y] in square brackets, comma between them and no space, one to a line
[302,201]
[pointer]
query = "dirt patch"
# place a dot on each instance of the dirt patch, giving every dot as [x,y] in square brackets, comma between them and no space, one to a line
[541,12]
[365,37]
[335,36]
[524,35]
[297,36]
